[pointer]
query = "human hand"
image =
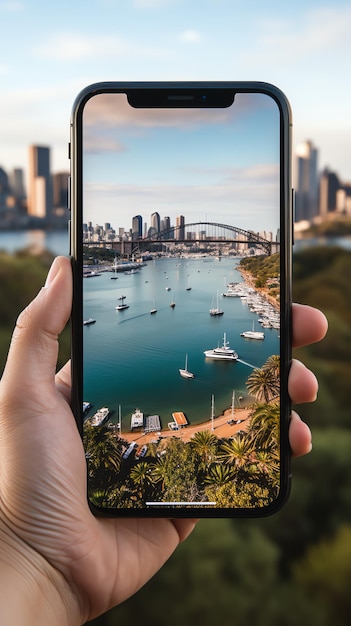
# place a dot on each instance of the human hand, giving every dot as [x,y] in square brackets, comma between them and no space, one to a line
[309,326]
[57,551]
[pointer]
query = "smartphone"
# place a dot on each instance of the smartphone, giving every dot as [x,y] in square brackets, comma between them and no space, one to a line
[181,240]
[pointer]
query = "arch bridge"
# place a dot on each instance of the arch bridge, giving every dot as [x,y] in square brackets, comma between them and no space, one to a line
[206,232]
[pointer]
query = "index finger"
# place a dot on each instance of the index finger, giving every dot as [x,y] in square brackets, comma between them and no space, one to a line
[309,325]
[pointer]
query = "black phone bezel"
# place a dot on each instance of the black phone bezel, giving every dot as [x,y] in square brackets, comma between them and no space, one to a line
[188,95]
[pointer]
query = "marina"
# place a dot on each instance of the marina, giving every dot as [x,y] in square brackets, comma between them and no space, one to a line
[136,359]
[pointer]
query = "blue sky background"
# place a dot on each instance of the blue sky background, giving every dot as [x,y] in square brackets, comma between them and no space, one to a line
[204,164]
[49,51]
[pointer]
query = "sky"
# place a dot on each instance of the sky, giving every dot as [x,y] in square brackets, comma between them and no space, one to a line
[206,164]
[50,51]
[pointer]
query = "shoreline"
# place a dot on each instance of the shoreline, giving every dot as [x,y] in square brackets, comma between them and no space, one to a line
[249,279]
[221,428]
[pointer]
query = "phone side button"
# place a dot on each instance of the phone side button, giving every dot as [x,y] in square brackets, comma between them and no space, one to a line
[69,238]
[293,210]
[69,194]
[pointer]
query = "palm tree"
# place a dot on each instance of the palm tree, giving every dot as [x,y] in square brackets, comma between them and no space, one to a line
[204,443]
[236,451]
[141,474]
[262,385]
[103,452]
[264,382]
[265,426]
[273,365]
[160,471]
[219,475]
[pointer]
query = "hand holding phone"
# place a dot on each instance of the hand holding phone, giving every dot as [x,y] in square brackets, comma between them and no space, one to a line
[181,244]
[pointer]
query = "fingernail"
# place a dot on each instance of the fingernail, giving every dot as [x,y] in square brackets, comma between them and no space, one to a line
[53,271]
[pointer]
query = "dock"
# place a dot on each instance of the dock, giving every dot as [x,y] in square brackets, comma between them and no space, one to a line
[152,424]
[180,419]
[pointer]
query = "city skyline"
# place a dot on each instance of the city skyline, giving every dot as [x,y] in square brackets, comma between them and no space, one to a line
[334,194]
[46,60]
[174,229]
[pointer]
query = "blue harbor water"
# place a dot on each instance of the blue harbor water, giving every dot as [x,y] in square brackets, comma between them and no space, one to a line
[56,241]
[132,358]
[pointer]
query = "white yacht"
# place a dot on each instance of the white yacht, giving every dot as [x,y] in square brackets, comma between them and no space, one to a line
[224,352]
[100,417]
[137,420]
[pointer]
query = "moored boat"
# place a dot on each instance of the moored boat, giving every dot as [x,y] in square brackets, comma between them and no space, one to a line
[253,334]
[185,372]
[224,352]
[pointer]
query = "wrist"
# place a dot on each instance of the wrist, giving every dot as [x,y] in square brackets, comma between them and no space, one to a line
[32,591]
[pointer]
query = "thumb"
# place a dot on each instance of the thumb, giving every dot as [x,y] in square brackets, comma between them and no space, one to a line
[32,357]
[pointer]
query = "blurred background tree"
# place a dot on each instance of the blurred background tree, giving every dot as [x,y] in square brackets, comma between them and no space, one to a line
[288,569]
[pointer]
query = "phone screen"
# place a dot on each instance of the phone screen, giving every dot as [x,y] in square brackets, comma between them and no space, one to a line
[183,232]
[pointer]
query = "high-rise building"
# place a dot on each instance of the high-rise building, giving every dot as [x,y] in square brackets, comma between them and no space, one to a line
[306,182]
[39,182]
[328,187]
[4,181]
[60,191]
[179,231]
[155,222]
[137,227]
[17,184]
[166,226]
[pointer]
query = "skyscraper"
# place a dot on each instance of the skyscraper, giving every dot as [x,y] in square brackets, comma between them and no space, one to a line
[39,182]
[60,191]
[166,226]
[179,231]
[155,222]
[306,182]
[17,184]
[328,187]
[137,227]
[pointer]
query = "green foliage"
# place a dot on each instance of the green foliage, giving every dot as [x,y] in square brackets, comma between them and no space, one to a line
[21,277]
[292,568]
[93,255]
[322,279]
[262,268]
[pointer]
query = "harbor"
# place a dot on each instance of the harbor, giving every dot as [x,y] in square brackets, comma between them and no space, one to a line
[134,359]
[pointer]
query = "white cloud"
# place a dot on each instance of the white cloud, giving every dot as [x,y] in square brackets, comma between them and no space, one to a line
[322,31]
[74,46]
[12,7]
[190,36]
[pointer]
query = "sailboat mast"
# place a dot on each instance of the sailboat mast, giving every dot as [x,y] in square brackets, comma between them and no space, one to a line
[233,401]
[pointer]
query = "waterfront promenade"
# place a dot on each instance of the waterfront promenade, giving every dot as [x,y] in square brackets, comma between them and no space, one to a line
[221,428]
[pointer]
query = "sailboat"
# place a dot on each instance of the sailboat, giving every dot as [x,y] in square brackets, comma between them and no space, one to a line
[153,310]
[253,334]
[114,267]
[122,306]
[188,287]
[185,372]
[216,311]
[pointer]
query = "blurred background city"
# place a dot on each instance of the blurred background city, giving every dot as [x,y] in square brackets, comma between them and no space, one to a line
[294,567]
